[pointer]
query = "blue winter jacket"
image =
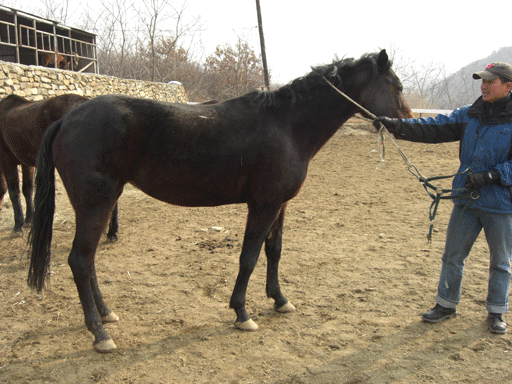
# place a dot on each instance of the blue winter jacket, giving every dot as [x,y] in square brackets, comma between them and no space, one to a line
[485,134]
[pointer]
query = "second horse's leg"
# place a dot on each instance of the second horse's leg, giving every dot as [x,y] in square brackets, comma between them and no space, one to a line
[106,314]
[28,190]
[3,189]
[10,169]
[273,246]
[113,226]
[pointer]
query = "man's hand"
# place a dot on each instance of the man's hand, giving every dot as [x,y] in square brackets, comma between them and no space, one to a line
[389,123]
[475,181]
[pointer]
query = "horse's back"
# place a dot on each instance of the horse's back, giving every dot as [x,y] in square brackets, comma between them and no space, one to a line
[156,123]
[23,122]
[10,102]
[54,108]
[182,154]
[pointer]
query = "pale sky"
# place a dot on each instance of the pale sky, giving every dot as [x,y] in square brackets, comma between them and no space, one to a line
[299,34]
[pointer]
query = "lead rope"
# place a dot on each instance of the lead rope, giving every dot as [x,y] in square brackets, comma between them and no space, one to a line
[383,133]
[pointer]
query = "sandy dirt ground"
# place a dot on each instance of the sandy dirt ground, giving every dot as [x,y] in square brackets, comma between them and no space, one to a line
[355,263]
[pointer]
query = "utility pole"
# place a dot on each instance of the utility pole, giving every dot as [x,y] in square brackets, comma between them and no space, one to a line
[262,43]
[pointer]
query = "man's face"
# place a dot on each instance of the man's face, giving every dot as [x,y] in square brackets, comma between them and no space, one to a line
[493,90]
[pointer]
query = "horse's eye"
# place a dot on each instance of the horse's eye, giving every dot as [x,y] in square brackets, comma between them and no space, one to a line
[398,86]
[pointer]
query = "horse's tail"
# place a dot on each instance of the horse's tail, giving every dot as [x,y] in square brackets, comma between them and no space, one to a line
[40,236]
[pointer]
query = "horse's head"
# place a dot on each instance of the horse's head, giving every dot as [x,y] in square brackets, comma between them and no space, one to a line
[383,93]
[75,59]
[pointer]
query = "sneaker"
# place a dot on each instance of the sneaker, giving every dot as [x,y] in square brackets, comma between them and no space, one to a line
[496,323]
[438,313]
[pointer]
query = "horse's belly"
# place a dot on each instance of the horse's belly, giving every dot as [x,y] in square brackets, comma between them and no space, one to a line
[193,195]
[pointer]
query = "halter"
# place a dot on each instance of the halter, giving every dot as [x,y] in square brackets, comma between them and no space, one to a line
[425,181]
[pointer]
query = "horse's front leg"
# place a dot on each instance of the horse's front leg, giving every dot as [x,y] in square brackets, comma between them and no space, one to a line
[273,246]
[28,190]
[259,221]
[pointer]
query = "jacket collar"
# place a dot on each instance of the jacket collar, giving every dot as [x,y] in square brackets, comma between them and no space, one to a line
[498,112]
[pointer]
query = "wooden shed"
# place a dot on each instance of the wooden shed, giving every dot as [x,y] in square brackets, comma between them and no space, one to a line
[32,40]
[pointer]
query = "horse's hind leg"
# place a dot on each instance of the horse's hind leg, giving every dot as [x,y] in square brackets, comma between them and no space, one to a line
[3,188]
[273,246]
[113,226]
[89,228]
[106,314]
[10,170]
[28,191]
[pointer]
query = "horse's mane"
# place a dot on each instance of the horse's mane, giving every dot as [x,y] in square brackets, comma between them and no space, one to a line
[306,86]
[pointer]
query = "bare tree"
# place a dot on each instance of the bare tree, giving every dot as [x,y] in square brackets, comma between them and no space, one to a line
[401,65]
[426,82]
[54,10]
[458,89]
[114,39]
[422,81]
[155,14]
[233,71]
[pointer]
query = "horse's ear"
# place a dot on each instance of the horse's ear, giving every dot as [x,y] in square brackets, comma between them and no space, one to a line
[383,60]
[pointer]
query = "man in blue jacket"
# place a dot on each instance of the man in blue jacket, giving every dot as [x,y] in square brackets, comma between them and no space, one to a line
[484,130]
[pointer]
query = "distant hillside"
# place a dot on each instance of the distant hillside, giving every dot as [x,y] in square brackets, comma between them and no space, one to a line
[460,89]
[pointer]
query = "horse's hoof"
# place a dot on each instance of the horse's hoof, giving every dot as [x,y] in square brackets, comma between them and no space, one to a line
[288,307]
[16,233]
[110,318]
[248,325]
[105,346]
[112,238]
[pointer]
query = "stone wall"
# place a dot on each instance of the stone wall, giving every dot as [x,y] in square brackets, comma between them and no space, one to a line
[37,83]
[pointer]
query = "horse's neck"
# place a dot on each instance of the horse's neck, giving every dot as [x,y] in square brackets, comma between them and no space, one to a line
[314,125]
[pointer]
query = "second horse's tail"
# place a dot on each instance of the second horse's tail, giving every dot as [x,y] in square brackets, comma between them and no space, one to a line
[40,236]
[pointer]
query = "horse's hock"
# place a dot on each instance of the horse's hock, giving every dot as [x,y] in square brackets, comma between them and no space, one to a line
[37,83]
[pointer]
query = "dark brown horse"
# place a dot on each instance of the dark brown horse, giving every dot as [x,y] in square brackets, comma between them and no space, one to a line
[22,126]
[253,149]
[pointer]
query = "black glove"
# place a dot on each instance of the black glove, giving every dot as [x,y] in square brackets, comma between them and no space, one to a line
[475,181]
[389,123]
